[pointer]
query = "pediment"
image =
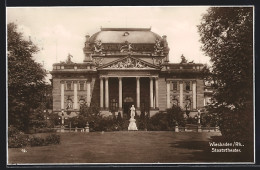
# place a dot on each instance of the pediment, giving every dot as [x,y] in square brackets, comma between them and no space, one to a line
[129,63]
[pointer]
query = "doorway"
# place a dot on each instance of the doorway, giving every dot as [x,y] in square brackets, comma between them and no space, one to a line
[128,102]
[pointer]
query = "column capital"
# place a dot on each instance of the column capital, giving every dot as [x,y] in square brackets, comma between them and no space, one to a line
[106,78]
[75,82]
[181,82]
[168,81]
[88,80]
[120,78]
[194,81]
[151,78]
[137,78]
[156,78]
[62,81]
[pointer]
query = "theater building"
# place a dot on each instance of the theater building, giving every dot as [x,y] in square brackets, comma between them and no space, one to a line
[124,67]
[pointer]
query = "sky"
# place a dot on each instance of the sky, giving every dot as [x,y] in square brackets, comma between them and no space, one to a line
[58,31]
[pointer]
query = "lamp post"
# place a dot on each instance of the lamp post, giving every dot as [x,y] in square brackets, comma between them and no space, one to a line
[199,116]
[62,118]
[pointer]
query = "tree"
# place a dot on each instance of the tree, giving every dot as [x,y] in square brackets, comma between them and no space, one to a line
[227,38]
[25,78]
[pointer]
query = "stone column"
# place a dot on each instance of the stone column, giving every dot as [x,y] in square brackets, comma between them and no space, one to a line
[88,93]
[138,92]
[151,92]
[156,94]
[75,94]
[120,97]
[106,94]
[168,94]
[194,94]
[181,94]
[62,95]
[101,93]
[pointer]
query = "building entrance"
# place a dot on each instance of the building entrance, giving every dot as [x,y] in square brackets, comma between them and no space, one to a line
[128,102]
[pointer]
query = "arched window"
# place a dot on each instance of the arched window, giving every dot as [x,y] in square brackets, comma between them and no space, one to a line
[175,102]
[188,104]
[69,104]
[81,102]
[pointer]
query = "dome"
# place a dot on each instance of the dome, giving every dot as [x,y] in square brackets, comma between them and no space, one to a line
[121,35]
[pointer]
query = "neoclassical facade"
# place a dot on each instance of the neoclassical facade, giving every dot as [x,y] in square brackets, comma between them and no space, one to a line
[124,67]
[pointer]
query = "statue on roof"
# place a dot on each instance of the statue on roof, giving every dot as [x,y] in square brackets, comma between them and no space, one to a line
[98,47]
[68,61]
[127,47]
[158,48]
[183,59]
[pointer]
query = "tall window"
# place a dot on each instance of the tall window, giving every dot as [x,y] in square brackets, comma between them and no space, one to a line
[175,102]
[113,105]
[81,86]
[174,86]
[187,84]
[69,85]
[81,102]
[69,103]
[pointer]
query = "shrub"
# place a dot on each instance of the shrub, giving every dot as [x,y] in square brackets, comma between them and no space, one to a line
[141,121]
[18,141]
[159,122]
[209,119]
[16,138]
[191,120]
[52,139]
[12,131]
[175,116]
[37,141]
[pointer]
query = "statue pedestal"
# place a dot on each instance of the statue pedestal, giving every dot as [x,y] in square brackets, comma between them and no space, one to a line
[132,124]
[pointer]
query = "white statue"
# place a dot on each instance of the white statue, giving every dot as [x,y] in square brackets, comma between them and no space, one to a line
[132,111]
[132,124]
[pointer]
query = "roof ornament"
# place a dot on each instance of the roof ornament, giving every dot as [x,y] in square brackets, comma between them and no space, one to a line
[126,34]
[68,61]
[158,48]
[127,47]
[183,59]
[98,47]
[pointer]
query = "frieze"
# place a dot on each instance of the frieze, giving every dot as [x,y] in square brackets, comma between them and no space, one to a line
[129,63]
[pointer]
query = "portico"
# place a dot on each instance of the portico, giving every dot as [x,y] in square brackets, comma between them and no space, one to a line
[129,90]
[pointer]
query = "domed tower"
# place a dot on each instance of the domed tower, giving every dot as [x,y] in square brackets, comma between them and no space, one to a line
[121,42]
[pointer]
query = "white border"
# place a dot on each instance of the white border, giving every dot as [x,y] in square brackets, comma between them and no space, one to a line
[136,164]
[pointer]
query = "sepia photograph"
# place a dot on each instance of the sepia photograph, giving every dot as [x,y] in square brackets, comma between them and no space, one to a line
[129,85]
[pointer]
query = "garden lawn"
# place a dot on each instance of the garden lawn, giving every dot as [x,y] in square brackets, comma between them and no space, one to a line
[127,147]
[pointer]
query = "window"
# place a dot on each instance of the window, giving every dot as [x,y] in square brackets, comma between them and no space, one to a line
[81,102]
[81,86]
[188,104]
[174,85]
[187,84]
[175,102]
[69,85]
[113,105]
[69,103]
